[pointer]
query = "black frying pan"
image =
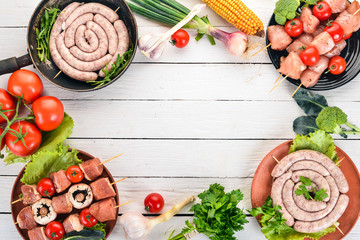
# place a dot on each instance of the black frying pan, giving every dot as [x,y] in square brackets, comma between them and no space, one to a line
[48,69]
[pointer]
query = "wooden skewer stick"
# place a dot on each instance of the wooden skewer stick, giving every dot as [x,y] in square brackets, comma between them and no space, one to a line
[356,12]
[297,89]
[15,223]
[110,159]
[278,78]
[275,158]
[337,227]
[57,74]
[261,49]
[278,83]
[123,204]
[17,201]
[117,9]
[338,163]
[119,180]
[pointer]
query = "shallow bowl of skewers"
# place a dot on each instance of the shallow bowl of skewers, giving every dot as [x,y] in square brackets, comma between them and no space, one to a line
[100,202]
[327,81]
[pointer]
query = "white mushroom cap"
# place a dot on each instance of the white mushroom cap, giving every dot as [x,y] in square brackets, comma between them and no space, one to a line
[43,211]
[80,195]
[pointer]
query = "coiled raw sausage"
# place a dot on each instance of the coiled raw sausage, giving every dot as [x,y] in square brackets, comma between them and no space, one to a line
[310,165]
[305,204]
[110,32]
[86,40]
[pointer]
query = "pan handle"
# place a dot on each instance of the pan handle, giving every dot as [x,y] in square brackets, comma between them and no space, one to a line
[12,64]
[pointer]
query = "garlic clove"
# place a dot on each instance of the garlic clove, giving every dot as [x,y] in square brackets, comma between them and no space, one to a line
[135,225]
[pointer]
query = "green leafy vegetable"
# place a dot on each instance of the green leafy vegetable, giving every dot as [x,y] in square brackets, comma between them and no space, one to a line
[318,141]
[304,190]
[217,216]
[50,141]
[274,227]
[85,234]
[116,68]
[45,162]
[285,9]
[99,227]
[321,116]
[47,20]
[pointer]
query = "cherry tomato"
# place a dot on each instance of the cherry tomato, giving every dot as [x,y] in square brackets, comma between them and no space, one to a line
[310,56]
[294,27]
[87,219]
[49,112]
[337,65]
[26,83]
[154,203]
[74,174]
[2,145]
[6,103]
[322,11]
[29,134]
[46,187]
[347,36]
[335,30]
[55,230]
[180,38]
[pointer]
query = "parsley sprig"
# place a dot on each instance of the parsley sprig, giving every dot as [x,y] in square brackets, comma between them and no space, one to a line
[304,190]
[116,68]
[217,216]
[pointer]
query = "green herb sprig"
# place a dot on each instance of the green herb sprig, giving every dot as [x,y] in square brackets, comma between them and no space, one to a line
[303,190]
[47,20]
[116,68]
[217,216]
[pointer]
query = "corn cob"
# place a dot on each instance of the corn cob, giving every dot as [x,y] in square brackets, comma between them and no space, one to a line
[238,14]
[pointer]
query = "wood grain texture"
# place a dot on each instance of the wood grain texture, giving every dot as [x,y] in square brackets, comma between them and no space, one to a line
[194,117]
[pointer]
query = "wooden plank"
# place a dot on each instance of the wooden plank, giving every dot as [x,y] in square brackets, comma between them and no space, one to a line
[182,158]
[188,119]
[24,9]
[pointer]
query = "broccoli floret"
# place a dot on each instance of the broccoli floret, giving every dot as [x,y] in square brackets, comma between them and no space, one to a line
[330,119]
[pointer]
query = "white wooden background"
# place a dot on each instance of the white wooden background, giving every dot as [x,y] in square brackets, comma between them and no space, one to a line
[195,117]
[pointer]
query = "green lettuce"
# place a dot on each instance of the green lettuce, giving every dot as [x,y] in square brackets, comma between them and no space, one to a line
[99,227]
[50,141]
[274,227]
[318,141]
[45,162]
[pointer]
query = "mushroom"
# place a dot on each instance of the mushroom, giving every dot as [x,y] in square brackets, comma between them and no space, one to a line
[80,195]
[43,211]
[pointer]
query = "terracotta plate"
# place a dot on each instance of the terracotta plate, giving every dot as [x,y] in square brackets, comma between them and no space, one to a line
[16,208]
[262,182]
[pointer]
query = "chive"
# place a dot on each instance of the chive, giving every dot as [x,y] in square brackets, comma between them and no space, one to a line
[156,10]
[166,9]
[177,6]
[152,15]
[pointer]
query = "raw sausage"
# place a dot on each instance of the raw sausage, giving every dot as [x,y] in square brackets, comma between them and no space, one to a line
[305,204]
[98,53]
[76,63]
[318,157]
[70,31]
[315,177]
[56,57]
[110,32]
[310,165]
[316,226]
[92,8]
[276,191]
[123,44]
[86,40]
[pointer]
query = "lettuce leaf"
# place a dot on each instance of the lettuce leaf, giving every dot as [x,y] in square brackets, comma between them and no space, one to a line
[274,227]
[99,227]
[50,141]
[45,162]
[318,141]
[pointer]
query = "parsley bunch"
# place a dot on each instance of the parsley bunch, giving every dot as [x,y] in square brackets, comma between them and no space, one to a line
[303,190]
[217,216]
